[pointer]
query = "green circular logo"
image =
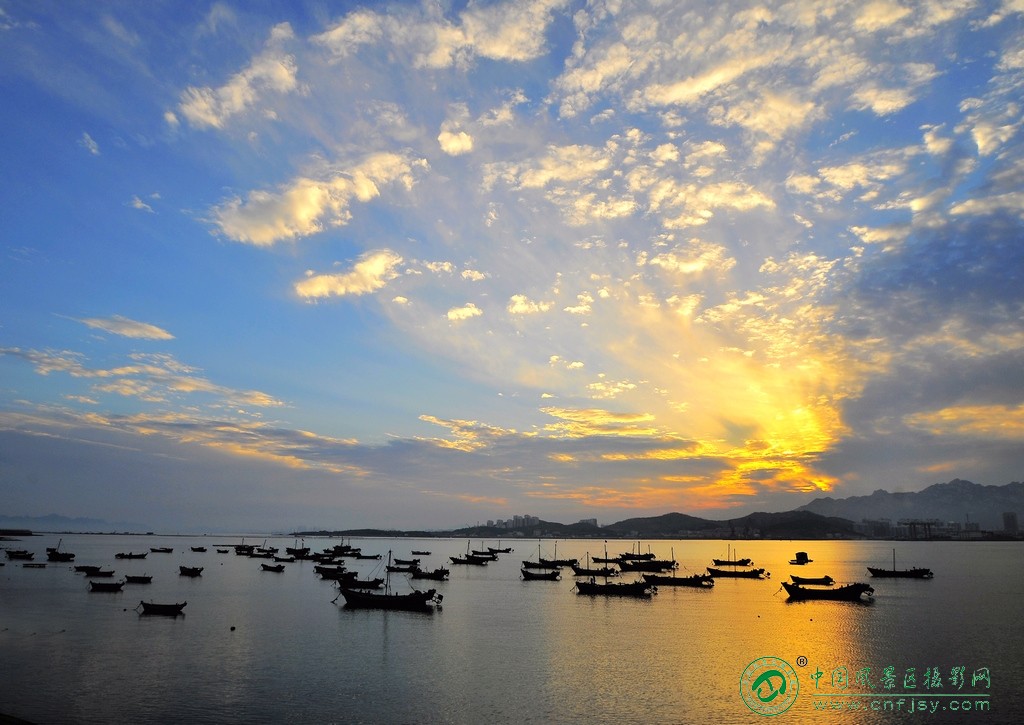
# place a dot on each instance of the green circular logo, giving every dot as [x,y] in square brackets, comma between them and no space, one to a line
[769,686]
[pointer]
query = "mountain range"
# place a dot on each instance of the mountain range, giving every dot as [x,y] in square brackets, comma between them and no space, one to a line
[955,501]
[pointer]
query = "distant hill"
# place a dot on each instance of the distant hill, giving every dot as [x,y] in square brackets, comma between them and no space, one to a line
[957,500]
[54,522]
[784,525]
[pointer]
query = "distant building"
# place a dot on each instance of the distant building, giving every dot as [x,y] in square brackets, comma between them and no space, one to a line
[1010,525]
[592,522]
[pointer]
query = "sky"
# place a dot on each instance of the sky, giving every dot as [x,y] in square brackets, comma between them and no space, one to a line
[268,266]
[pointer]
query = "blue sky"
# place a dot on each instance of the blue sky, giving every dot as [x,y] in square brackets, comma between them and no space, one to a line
[275,265]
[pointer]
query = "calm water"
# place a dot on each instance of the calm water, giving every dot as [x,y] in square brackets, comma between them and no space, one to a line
[258,647]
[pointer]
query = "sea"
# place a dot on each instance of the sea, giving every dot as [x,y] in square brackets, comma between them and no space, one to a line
[261,647]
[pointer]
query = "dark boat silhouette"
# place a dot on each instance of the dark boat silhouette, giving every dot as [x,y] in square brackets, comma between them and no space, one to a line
[846,593]
[894,573]
[166,610]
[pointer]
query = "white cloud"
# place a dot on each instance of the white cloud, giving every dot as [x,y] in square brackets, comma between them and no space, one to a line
[87,143]
[125,327]
[879,14]
[273,71]
[523,305]
[458,314]
[372,272]
[512,31]
[306,205]
[455,143]
[137,203]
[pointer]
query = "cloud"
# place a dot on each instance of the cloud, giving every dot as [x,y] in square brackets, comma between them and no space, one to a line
[307,205]
[523,305]
[467,311]
[137,203]
[510,31]
[372,272]
[455,143]
[151,378]
[271,72]
[125,327]
[89,145]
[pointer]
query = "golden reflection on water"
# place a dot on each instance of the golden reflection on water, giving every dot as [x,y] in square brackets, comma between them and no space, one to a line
[505,650]
[681,654]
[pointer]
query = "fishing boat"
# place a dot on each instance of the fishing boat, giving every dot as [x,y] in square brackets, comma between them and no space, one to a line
[285,559]
[732,562]
[354,583]
[335,573]
[485,554]
[190,570]
[105,586]
[470,559]
[407,562]
[913,573]
[131,555]
[138,579]
[556,561]
[825,581]
[403,569]
[550,575]
[604,571]
[415,601]
[420,553]
[222,551]
[299,551]
[167,610]
[87,569]
[845,593]
[276,568]
[592,587]
[161,549]
[648,565]
[54,553]
[801,559]
[541,563]
[737,573]
[506,550]
[636,555]
[440,574]
[199,549]
[106,573]
[34,565]
[699,581]
[20,555]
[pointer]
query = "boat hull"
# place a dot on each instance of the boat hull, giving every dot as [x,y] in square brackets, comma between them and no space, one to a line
[825,581]
[701,581]
[901,573]
[736,573]
[414,602]
[166,610]
[847,593]
[550,575]
[618,589]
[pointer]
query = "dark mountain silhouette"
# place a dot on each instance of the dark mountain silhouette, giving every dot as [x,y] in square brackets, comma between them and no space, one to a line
[956,501]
